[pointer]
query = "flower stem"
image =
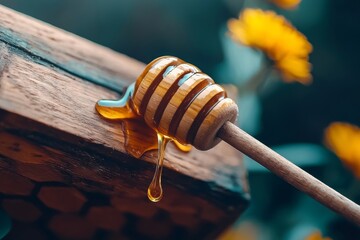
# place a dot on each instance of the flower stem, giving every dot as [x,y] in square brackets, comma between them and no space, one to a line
[258,80]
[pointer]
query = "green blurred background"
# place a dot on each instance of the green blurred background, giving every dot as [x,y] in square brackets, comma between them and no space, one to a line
[289,117]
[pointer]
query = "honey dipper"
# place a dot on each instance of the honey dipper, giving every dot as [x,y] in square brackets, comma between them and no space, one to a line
[179,101]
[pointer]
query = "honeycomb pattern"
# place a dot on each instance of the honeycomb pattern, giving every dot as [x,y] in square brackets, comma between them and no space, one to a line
[21,210]
[105,217]
[55,210]
[52,195]
[14,184]
[71,226]
[63,199]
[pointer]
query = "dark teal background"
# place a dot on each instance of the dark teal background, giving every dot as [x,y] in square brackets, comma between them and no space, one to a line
[292,117]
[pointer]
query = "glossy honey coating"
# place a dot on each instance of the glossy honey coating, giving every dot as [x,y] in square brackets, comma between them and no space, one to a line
[173,101]
[181,102]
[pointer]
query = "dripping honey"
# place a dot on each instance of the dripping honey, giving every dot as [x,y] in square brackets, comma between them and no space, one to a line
[155,191]
[139,138]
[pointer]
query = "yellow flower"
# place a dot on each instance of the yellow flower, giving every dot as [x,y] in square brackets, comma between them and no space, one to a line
[246,231]
[316,236]
[278,39]
[286,4]
[344,140]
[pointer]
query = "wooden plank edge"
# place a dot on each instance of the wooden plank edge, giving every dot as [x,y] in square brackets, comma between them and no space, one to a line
[85,139]
[67,51]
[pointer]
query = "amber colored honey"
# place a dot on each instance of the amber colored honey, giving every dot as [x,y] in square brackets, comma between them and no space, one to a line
[139,137]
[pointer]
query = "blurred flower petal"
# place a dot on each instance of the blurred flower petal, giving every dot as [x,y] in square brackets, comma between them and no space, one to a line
[286,4]
[316,236]
[278,39]
[344,140]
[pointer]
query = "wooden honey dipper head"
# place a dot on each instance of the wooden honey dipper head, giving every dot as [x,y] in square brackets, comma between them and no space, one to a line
[180,101]
[177,100]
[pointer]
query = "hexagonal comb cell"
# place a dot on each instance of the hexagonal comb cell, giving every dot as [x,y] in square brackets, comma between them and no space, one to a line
[154,229]
[21,210]
[106,217]
[71,226]
[130,205]
[64,199]
[14,184]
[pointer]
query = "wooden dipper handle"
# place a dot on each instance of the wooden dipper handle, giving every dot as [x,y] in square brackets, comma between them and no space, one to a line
[291,173]
[178,100]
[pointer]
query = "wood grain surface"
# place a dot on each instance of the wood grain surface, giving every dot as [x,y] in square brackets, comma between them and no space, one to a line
[78,56]
[182,102]
[52,137]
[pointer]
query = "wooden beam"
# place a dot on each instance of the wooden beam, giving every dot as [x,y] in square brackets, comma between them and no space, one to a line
[52,139]
[70,53]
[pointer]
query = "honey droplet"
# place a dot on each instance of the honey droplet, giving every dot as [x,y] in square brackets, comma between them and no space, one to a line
[139,137]
[155,191]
